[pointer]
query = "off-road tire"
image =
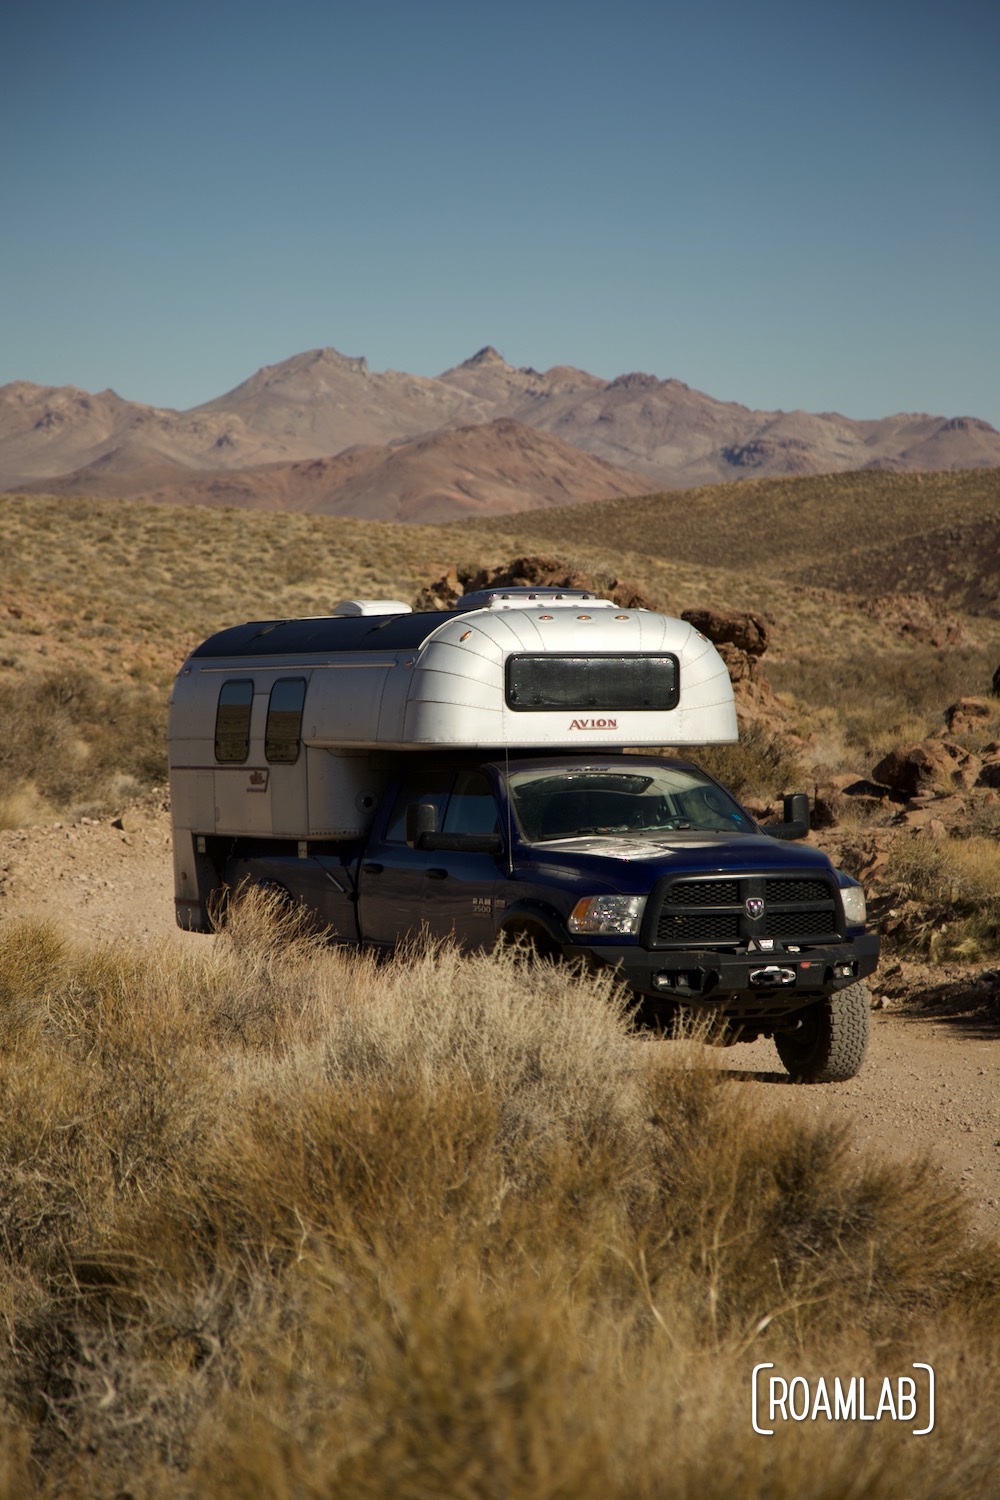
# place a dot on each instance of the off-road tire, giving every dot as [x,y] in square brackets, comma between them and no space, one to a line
[829,1045]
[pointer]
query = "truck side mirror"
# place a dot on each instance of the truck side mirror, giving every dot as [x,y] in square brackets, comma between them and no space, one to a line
[421,819]
[795,806]
[795,819]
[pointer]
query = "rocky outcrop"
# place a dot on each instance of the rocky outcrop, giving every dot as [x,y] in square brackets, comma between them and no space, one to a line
[909,769]
[537,571]
[748,633]
[968,714]
[941,764]
[916,617]
[741,639]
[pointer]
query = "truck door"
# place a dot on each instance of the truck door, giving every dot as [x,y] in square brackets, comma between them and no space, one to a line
[393,877]
[460,886]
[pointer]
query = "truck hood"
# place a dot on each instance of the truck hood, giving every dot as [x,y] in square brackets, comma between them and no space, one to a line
[603,855]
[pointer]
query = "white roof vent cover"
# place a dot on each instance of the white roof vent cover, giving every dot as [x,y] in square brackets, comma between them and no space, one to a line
[352,608]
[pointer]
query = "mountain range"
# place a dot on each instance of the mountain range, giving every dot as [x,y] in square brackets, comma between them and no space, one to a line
[320,432]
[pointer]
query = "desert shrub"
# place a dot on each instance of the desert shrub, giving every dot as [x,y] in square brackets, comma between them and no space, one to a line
[954,884]
[760,766]
[877,698]
[278,1220]
[71,738]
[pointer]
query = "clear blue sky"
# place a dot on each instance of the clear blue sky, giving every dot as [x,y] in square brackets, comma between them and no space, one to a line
[787,205]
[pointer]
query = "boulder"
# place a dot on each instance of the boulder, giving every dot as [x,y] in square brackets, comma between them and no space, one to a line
[968,713]
[444,594]
[933,764]
[748,633]
[554,572]
[989,774]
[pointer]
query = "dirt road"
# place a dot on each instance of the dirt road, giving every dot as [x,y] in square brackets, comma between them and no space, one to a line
[928,1085]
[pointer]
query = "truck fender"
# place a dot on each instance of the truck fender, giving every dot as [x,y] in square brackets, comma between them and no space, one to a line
[537,923]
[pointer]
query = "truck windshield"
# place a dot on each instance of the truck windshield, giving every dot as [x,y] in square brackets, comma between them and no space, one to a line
[649,800]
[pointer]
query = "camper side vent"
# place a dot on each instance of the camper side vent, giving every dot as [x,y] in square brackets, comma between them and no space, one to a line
[352,608]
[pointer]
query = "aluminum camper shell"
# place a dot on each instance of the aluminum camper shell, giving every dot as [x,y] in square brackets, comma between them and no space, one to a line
[372,686]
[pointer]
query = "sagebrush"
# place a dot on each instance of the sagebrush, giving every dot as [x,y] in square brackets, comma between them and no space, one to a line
[278,1220]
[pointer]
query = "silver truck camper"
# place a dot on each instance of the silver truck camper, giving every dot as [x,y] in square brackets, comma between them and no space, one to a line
[290,729]
[461,774]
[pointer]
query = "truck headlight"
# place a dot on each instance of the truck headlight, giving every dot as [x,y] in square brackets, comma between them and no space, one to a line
[607,915]
[855,909]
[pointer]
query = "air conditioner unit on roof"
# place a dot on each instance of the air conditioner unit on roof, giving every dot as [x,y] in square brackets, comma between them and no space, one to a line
[352,608]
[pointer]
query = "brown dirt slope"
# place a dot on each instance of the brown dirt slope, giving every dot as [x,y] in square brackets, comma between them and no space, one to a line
[496,468]
[865,532]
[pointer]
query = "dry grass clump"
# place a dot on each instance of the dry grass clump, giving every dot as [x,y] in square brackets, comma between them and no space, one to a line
[760,766]
[276,1220]
[955,883]
[77,743]
[868,699]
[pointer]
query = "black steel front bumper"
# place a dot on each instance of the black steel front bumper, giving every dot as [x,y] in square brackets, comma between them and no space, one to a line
[778,978]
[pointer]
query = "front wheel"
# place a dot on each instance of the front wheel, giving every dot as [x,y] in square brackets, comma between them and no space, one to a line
[830,1041]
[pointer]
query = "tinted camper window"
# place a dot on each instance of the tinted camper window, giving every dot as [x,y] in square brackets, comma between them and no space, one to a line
[284,720]
[232,721]
[538,683]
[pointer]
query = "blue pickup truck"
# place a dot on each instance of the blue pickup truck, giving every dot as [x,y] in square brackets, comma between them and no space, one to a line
[565,839]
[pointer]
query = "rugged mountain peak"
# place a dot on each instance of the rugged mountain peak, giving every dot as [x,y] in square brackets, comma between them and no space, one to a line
[967,424]
[316,359]
[485,356]
[357,365]
[635,381]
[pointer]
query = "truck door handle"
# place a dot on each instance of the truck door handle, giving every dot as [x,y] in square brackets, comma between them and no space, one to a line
[373,869]
[437,874]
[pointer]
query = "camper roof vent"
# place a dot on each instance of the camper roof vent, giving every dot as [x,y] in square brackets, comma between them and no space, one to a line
[526,597]
[352,608]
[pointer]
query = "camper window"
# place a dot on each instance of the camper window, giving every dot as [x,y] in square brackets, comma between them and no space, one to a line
[284,720]
[232,721]
[636,680]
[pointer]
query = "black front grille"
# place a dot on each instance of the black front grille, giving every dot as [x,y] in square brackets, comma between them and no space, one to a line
[698,927]
[796,890]
[714,912]
[704,893]
[797,924]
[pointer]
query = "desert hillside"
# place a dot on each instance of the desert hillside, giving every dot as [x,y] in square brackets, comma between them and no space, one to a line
[128,589]
[498,468]
[874,682]
[277,1219]
[876,689]
[322,406]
